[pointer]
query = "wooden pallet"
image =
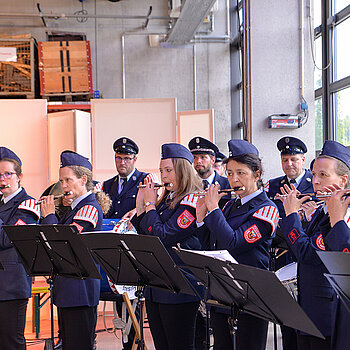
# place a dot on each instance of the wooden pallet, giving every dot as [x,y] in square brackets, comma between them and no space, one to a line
[69,97]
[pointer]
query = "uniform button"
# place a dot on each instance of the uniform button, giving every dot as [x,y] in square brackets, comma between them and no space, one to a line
[161,213]
[118,202]
[134,195]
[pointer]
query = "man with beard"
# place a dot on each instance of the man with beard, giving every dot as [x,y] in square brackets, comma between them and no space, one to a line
[292,160]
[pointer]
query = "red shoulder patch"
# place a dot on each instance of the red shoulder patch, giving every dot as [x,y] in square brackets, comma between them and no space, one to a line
[345,250]
[185,219]
[293,236]
[252,234]
[320,243]
[79,227]
[20,222]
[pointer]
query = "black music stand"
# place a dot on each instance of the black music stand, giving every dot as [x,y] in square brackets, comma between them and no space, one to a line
[245,288]
[52,250]
[338,264]
[137,260]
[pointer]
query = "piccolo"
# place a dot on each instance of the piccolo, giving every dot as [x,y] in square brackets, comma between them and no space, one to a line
[317,195]
[226,190]
[158,185]
[5,186]
[56,197]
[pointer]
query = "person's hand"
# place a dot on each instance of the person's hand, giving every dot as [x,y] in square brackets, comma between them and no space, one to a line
[47,205]
[307,208]
[337,204]
[149,192]
[129,215]
[66,201]
[201,209]
[212,197]
[291,203]
[140,201]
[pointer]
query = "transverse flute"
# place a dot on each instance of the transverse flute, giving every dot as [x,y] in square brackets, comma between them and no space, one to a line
[157,185]
[225,190]
[5,186]
[317,195]
[56,197]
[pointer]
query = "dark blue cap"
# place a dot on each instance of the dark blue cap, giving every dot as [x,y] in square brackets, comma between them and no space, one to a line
[175,150]
[71,158]
[240,147]
[125,146]
[336,150]
[219,157]
[6,153]
[312,164]
[291,145]
[200,145]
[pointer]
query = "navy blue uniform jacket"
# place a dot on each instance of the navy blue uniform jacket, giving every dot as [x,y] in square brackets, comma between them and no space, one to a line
[20,210]
[172,226]
[338,239]
[245,232]
[126,200]
[315,294]
[68,292]
[272,187]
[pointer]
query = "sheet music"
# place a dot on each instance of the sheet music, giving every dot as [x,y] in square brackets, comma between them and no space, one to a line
[223,255]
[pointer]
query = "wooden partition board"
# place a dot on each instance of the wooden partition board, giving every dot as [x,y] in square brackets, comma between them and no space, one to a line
[68,130]
[148,122]
[24,131]
[195,123]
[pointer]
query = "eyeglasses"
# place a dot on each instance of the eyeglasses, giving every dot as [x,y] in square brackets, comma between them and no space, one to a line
[6,175]
[125,159]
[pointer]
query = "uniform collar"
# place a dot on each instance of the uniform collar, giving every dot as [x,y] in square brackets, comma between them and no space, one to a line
[14,194]
[79,199]
[129,176]
[246,199]
[210,179]
[298,179]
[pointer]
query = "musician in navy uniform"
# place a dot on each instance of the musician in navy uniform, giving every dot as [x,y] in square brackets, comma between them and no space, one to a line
[172,218]
[122,188]
[292,160]
[76,299]
[336,231]
[16,208]
[219,166]
[245,228]
[204,152]
[315,294]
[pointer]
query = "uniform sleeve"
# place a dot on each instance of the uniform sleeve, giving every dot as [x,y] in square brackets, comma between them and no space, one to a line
[303,246]
[338,238]
[177,228]
[86,218]
[27,213]
[258,228]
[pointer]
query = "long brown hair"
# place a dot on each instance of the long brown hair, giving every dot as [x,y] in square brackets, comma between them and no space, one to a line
[186,179]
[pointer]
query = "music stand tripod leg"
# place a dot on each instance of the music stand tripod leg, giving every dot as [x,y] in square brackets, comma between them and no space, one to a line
[233,321]
[49,343]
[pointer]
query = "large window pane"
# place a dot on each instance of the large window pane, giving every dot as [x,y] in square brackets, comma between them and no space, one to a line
[338,5]
[342,116]
[341,48]
[318,60]
[317,13]
[318,124]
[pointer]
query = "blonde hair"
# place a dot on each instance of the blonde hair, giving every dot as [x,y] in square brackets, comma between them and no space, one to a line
[79,171]
[186,179]
[340,168]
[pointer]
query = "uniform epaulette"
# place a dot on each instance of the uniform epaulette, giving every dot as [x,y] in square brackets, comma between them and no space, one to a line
[87,213]
[190,199]
[30,205]
[267,186]
[268,214]
[98,187]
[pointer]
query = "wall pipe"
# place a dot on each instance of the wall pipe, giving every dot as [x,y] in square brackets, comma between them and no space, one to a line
[195,77]
[302,48]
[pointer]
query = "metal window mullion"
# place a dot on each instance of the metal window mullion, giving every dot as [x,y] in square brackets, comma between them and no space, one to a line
[339,85]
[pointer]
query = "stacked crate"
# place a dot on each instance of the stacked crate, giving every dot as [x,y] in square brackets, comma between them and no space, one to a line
[65,68]
[17,66]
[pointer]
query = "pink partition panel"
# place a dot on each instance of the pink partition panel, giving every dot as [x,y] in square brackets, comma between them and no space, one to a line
[24,130]
[149,122]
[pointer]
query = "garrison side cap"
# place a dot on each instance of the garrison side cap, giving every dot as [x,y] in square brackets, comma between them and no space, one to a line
[125,145]
[291,145]
[241,147]
[6,153]
[336,150]
[72,158]
[175,150]
[200,145]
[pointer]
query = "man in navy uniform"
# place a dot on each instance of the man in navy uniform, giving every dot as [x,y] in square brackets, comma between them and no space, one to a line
[122,188]
[204,159]
[219,166]
[292,159]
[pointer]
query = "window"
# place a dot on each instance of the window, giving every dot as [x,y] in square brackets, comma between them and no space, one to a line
[342,116]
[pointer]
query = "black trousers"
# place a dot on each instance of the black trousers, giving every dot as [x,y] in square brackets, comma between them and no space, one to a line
[309,342]
[78,327]
[172,325]
[251,332]
[289,338]
[12,323]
